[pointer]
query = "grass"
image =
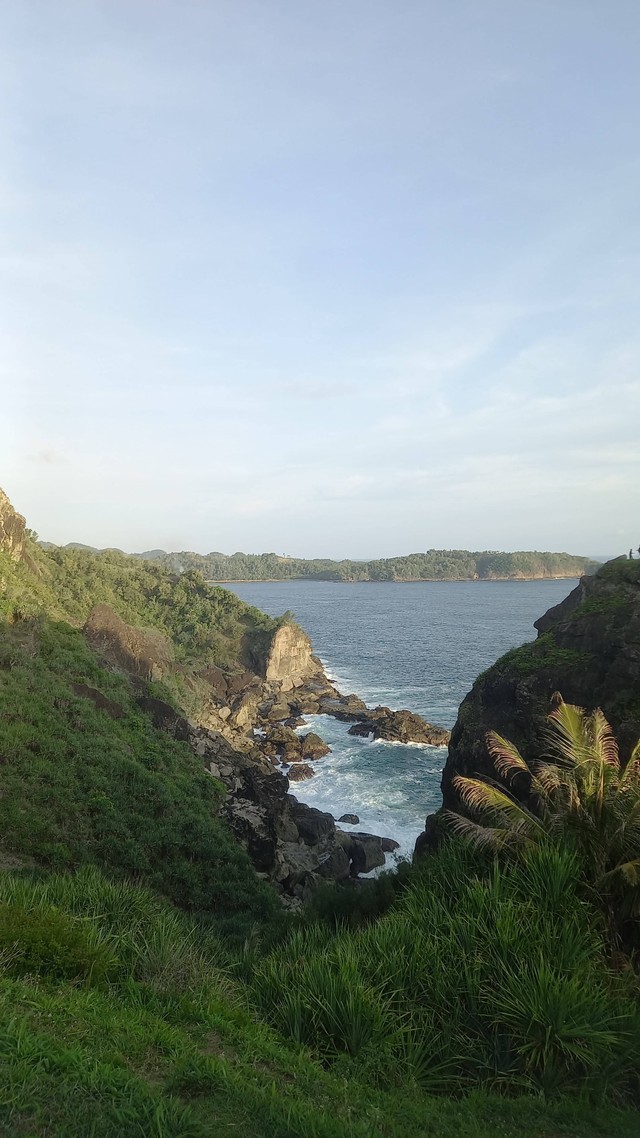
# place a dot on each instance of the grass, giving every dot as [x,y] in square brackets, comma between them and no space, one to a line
[541,653]
[493,979]
[178,1054]
[80,787]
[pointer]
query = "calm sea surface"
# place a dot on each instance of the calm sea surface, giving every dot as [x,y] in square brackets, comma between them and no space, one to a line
[418,646]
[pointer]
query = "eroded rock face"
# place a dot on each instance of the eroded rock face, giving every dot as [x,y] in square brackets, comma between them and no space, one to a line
[588,650]
[12,527]
[290,659]
[142,652]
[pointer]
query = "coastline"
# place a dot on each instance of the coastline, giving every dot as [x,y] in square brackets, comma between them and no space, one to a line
[398,581]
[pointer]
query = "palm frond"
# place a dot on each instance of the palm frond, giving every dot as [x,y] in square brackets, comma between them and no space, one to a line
[481,837]
[505,755]
[605,747]
[481,797]
[567,733]
[631,773]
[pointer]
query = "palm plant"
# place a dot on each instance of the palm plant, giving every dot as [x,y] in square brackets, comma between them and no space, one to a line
[579,792]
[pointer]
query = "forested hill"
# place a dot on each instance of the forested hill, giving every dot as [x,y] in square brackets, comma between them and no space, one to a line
[434,565]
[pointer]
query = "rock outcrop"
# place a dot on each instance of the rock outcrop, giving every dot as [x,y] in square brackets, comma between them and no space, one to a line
[289,659]
[588,650]
[12,529]
[400,727]
[141,651]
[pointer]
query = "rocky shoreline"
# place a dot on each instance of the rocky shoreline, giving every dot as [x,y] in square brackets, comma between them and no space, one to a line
[246,731]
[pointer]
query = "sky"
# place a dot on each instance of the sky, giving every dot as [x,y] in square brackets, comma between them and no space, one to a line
[343,278]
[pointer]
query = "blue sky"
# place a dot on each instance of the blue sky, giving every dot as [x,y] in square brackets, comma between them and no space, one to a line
[324,277]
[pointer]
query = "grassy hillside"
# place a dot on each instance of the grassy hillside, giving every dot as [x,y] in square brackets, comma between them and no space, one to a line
[206,624]
[150,984]
[435,565]
[86,784]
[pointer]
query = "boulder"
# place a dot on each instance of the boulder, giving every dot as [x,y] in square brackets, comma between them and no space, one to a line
[351,819]
[363,850]
[346,707]
[216,679]
[282,737]
[298,772]
[314,825]
[313,747]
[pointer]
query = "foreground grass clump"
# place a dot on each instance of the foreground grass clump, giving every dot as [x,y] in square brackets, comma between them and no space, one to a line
[81,786]
[493,978]
[164,1044]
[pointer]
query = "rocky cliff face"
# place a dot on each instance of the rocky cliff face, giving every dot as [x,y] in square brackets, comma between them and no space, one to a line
[289,660]
[12,527]
[588,649]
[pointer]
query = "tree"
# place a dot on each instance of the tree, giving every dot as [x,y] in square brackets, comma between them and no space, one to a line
[580,794]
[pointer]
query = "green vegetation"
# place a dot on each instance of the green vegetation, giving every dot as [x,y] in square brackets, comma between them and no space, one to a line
[82,786]
[482,976]
[207,625]
[434,565]
[540,653]
[581,796]
[151,984]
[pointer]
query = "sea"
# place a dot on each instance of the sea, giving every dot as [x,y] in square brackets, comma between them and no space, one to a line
[416,645]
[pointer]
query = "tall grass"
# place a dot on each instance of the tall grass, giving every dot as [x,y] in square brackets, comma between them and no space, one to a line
[491,977]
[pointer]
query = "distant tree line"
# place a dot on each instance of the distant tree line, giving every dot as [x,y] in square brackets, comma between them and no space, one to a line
[434,565]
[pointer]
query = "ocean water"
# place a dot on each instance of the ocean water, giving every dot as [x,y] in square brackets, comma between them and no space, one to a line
[418,645]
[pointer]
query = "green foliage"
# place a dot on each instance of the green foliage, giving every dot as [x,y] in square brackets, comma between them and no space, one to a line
[47,942]
[207,625]
[81,787]
[541,653]
[579,794]
[479,977]
[434,565]
[353,905]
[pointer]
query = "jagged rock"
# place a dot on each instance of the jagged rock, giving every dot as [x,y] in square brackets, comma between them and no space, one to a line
[253,826]
[346,707]
[288,659]
[313,747]
[389,845]
[400,727]
[12,529]
[314,825]
[244,708]
[298,772]
[143,652]
[283,737]
[351,819]
[363,850]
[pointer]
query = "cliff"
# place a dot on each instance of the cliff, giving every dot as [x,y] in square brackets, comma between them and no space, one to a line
[588,649]
[12,529]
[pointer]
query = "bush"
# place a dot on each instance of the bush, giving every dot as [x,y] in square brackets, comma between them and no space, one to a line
[47,942]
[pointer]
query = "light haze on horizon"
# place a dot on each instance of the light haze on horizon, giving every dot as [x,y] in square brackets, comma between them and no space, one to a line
[342,279]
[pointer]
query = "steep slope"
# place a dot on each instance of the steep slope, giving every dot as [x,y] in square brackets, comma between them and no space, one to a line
[588,649]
